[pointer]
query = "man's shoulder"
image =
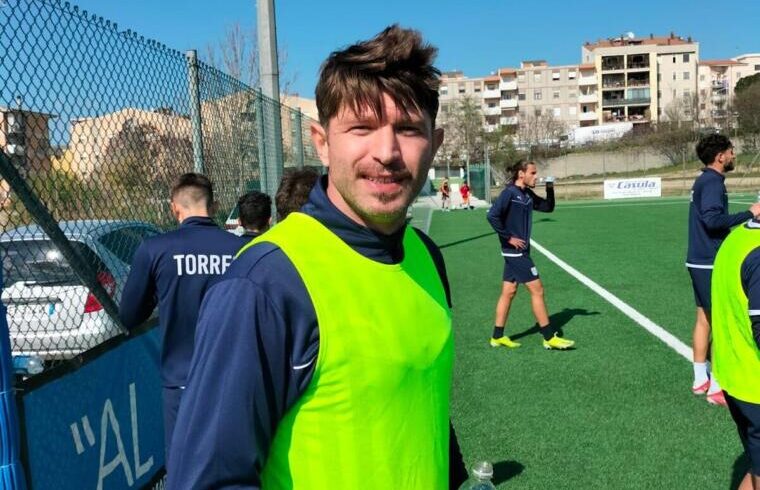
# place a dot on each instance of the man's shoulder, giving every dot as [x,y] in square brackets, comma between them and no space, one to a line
[259,259]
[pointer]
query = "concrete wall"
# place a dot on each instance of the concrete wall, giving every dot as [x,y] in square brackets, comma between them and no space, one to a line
[602,163]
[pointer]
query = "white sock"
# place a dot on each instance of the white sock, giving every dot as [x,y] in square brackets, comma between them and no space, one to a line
[714,386]
[700,373]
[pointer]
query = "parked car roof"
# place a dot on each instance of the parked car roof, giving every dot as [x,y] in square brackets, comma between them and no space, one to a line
[72,229]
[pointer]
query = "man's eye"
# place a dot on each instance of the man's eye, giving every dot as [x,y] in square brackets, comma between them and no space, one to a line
[410,130]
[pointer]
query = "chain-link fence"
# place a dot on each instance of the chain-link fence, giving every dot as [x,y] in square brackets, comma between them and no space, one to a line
[95,123]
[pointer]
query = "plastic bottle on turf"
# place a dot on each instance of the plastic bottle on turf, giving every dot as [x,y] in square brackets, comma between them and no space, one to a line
[480,477]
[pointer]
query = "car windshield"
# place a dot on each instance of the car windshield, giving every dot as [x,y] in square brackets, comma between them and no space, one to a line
[40,262]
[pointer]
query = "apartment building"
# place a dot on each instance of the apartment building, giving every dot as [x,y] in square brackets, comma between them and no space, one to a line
[642,80]
[454,86]
[548,90]
[717,82]
[620,79]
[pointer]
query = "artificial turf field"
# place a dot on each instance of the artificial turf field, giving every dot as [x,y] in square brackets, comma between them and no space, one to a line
[616,412]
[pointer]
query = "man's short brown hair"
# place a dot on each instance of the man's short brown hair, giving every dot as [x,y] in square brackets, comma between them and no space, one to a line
[294,190]
[193,189]
[396,62]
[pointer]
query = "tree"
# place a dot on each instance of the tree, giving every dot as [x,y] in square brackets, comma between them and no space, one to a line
[463,133]
[538,132]
[237,55]
[501,149]
[747,107]
[675,135]
[746,82]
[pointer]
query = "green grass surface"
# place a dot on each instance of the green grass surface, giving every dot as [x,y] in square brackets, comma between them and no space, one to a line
[617,412]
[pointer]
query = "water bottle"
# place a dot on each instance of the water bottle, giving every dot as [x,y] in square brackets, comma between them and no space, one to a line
[480,477]
[28,365]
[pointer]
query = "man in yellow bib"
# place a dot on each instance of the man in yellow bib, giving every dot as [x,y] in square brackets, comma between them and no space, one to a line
[736,336]
[324,358]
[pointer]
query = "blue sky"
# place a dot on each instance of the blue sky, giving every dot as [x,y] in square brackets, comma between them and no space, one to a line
[476,36]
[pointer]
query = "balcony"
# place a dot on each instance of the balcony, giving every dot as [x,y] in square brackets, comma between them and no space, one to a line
[588,116]
[508,85]
[508,103]
[612,66]
[492,111]
[587,80]
[719,84]
[625,102]
[492,94]
[718,98]
[508,120]
[588,98]
[638,66]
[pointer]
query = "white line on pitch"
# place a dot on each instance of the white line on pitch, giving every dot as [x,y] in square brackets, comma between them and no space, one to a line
[668,338]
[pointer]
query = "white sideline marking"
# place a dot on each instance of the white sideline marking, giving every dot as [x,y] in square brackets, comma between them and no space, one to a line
[669,339]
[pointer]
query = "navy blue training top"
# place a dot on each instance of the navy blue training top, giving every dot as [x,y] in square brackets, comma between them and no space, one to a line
[256,343]
[174,270]
[512,215]
[709,221]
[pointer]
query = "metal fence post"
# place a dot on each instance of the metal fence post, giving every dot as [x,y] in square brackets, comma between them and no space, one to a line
[195,110]
[261,142]
[11,471]
[298,139]
[49,225]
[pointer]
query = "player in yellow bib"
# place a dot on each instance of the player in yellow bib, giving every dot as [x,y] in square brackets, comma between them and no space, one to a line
[324,358]
[736,336]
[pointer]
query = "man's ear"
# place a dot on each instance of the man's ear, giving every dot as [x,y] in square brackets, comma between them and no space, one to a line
[319,138]
[437,139]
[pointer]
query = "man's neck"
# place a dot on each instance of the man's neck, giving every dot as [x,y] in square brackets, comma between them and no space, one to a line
[520,184]
[718,167]
[191,214]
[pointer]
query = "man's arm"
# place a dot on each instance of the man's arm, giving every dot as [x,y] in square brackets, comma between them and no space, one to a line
[254,347]
[496,214]
[714,214]
[138,299]
[751,283]
[541,204]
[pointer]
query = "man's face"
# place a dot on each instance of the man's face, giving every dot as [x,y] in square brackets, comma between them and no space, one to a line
[376,167]
[727,158]
[530,175]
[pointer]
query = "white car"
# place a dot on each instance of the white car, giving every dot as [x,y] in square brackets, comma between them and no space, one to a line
[50,313]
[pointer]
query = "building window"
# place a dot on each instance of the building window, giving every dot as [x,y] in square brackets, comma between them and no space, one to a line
[537,95]
[571,75]
[555,94]
[445,90]
[537,111]
[757,67]
[571,95]
[555,75]
[674,59]
[477,88]
[461,88]
[674,75]
[557,112]
[686,75]
[537,76]
[702,106]
[686,58]
[701,78]
[521,77]
[659,77]
[584,109]
[521,96]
